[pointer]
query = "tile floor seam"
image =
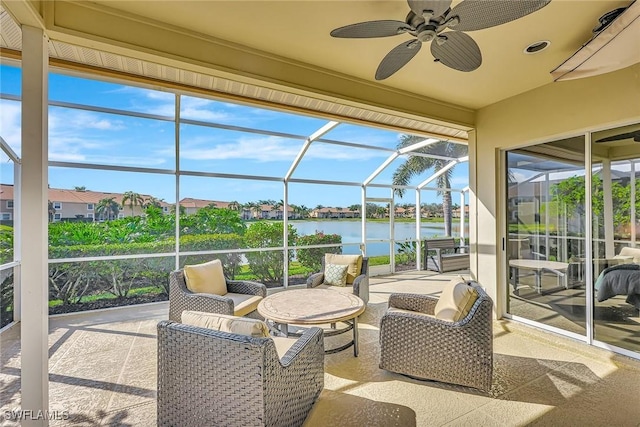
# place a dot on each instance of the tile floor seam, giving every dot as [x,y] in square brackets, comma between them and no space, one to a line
[61,357]
[124,365]
[448,422]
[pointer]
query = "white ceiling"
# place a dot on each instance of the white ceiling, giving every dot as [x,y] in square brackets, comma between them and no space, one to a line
[299,30]
[228,45]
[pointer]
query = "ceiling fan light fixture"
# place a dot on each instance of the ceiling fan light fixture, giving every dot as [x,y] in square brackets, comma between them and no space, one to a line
[536,47]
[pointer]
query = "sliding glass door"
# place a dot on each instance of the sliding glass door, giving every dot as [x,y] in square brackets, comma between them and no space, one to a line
[546,234]
[573,239]
[615,155]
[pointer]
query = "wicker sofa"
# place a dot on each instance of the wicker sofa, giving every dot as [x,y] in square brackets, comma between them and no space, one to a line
[414,343]
[212,378]
[239,291]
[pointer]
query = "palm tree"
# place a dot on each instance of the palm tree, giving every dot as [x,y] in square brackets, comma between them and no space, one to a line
[277,206]
[108,208]
[253,207]
[152,201]
[132,199]
[234,206]
[81,188]
[51,210]
[416,165]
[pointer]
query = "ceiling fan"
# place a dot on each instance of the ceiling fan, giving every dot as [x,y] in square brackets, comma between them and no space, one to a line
[635,135]
[427,21]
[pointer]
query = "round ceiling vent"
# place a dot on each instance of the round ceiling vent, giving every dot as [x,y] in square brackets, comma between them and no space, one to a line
[536,47]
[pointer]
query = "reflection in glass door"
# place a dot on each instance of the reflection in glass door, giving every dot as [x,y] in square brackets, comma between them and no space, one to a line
[545,205]
[616,238]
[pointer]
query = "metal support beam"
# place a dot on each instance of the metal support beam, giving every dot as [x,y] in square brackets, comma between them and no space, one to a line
[609,247]
[34,221]
[382,167]
[632,181]
[307,143]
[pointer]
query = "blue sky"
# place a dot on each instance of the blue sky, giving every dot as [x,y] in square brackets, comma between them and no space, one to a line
[110,139]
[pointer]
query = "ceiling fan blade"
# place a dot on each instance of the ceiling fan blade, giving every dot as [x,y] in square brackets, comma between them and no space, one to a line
[364,30]
[480,14]
[397,58]
[635,135]
[459,51]
[438,7]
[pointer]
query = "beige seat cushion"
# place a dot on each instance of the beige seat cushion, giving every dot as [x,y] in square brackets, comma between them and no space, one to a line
[244,304]
[353,261]
[283,344]
[456,300]
[634,252]
[348,289]
[221,322]
[207,278]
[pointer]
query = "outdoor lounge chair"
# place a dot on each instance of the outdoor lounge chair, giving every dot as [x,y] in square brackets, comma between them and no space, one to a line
[240,299]
[209,377]
[415,341]
[442,255]
[357,276]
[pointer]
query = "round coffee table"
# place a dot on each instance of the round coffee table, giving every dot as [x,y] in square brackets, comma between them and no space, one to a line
[314,307]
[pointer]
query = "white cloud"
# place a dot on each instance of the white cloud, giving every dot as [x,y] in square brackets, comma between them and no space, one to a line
[10,128]
[269,149]
[68,120]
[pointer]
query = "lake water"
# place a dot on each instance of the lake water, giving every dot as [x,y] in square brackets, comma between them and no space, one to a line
[351,232]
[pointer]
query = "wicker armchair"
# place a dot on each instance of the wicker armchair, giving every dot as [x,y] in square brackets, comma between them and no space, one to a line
[421,346]
[360,285]
[212,378]
[181,298]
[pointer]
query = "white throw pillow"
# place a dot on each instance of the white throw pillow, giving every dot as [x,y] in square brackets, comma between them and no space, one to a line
[335,274]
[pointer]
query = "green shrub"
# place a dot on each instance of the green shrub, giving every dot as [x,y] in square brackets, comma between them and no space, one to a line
[268,266]
[6,244]
[68,282]
[6,298]
[312,257]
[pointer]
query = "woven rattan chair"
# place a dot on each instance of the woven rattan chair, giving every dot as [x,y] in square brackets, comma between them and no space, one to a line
[360,285]
[181,298]
[424,347]
[212,378]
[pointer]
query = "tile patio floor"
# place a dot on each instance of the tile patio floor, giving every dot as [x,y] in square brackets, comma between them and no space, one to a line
[103,371]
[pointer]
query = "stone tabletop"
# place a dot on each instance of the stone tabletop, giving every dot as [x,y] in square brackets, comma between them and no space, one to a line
[311,306]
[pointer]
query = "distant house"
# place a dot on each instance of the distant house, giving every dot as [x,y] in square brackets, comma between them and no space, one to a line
[75,205]
[334,213]
[455,213]
[193,205]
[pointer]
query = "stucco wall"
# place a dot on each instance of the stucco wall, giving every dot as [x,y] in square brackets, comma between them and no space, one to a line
[555,110]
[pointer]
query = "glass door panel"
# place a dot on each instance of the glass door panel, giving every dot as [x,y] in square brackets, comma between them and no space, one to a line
[546,231]
[616,242]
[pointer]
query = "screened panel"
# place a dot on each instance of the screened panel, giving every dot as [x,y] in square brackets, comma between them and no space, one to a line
[207,149]
[10,120]
[71,89]
[224,113]
[10,80]
[364,135]
[96,213]
[110,139]
[329,162]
